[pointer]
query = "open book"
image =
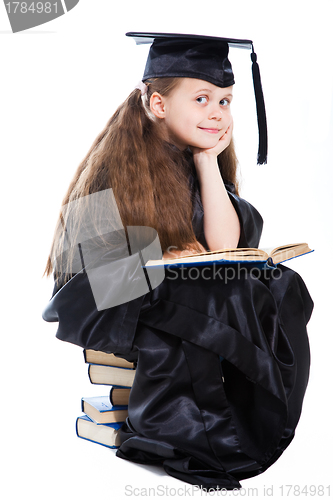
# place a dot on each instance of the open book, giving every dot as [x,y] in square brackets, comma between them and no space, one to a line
[269,257]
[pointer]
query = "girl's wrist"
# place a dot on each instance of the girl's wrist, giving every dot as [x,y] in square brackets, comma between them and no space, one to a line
[204,163]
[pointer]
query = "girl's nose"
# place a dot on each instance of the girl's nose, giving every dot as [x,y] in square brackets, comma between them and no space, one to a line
[215,113]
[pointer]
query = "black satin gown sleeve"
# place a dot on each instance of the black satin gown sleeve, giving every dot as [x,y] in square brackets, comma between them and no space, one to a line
[79,322]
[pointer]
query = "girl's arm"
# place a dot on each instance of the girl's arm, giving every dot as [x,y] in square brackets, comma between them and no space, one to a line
[221,223]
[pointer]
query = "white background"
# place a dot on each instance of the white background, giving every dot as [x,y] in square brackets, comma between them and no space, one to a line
[60,83]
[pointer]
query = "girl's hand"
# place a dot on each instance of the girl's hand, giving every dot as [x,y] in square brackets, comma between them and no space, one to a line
[222,144]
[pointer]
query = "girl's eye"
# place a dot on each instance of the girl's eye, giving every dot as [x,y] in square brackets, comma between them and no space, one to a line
[201,99]
[224,102]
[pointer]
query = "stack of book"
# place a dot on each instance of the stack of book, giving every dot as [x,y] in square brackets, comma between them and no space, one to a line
[104,415]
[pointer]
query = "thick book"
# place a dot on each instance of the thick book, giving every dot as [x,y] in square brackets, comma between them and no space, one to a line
[101,411]
[111,375]
[103,358]
[269,257]
[119,395]
[104,434]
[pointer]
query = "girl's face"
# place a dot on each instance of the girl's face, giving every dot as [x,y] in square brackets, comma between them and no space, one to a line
[196,113]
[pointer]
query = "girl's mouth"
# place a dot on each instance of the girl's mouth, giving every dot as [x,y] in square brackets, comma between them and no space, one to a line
[210,130]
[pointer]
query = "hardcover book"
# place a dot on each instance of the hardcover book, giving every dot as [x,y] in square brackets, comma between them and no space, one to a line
[269,257]
[119,395]
[111,375]
[100,409]
[103,358]
[104,434]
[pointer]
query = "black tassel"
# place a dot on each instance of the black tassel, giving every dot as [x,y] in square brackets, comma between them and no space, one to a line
[261,113]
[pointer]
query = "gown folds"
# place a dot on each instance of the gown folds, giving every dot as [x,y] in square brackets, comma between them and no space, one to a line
[222,359]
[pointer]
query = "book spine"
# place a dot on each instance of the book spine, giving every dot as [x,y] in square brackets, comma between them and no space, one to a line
[77,427]
[110,395]
[269,264]
[124,398]
[89,374]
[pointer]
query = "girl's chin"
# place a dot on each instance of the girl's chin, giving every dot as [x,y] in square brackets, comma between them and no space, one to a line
[205,144]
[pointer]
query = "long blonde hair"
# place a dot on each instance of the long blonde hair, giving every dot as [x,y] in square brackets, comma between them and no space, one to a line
[148,176]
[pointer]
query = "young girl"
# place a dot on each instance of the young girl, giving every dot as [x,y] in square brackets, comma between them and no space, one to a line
[222,353]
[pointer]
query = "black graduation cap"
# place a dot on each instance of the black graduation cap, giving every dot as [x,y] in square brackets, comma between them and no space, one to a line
[205,58]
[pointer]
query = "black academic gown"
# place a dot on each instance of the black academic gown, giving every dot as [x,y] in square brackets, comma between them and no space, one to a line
[222,360]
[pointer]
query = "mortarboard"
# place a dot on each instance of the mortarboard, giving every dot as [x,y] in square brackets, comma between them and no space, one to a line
[205,58]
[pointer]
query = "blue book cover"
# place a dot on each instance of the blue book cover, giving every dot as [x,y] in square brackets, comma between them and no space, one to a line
[103,434]
[100,410]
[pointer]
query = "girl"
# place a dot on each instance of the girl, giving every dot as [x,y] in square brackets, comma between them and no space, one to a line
[222,353]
